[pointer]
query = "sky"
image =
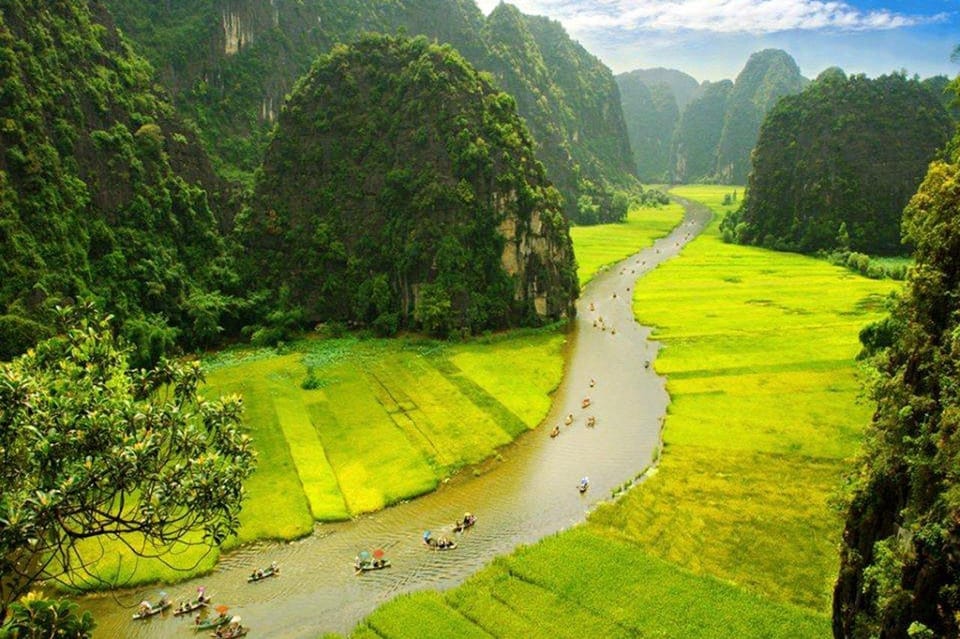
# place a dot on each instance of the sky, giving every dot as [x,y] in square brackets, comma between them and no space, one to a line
[712,39]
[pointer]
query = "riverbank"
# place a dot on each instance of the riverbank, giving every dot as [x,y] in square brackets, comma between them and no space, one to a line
[734,536]
[529,493]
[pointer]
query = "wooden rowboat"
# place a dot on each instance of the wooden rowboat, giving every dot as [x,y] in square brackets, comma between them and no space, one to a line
[152,610]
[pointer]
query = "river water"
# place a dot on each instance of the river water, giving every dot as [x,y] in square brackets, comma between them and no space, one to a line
[529,492]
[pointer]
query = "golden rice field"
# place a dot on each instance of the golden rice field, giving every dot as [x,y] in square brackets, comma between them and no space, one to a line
[388,420]
[735,535]
[605,244]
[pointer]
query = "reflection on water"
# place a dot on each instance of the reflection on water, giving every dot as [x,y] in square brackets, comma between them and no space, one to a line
[530,493]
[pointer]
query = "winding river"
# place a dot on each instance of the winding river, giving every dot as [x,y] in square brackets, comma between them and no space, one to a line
[529,492]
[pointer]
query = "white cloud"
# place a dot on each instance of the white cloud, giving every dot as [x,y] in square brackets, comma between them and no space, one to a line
[722,16]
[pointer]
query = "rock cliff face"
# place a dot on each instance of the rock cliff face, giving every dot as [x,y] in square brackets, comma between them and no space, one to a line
[229,64]
[401,190]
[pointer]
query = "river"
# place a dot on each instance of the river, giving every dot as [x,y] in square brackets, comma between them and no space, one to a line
[525,494]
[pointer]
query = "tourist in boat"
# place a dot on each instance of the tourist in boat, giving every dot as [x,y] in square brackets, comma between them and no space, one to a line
[591,421]
[569,419]
[274,567]
[555,431]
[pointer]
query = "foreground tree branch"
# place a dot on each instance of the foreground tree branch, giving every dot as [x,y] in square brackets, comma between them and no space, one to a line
[89,448]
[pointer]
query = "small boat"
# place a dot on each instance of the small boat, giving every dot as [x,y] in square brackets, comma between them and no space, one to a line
[376,564]
[583,485]
[148,609]
[260,573]
[186,607]
[232,631]
[555,431]
[442,543]
[468,519]
[585,402]
[365,562]
[213,622]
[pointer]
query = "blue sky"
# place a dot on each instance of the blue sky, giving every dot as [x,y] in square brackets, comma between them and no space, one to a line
[712,39]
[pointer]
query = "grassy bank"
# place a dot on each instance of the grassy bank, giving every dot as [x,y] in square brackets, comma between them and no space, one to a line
[381,421]
[734,536]
[759,352]
[606,244]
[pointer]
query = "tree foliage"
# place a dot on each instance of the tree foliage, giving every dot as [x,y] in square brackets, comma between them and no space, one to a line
[837,163]
[900,557]
[768,75]
[567,96]
[36,618]
[401,190]
[693,151]
[651,114]
[90,449]
[103,192]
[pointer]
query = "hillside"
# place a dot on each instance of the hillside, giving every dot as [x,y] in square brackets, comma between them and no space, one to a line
[899,564]
[104,194]
[835,165]
[693,153]
[400,190]
[229,66]
[651,112]
[768,75]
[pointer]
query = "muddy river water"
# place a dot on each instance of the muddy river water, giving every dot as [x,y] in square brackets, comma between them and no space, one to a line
[528,493]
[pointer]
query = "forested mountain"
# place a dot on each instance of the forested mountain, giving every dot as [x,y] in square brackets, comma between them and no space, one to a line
[400,190]
[684,132]
[693,154]
[942,88]
[103,192]
[836,164]
[900,568]
[230,62]
[651,112]
[684,87]
[768,75]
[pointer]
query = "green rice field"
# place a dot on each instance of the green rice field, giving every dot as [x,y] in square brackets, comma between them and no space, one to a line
[605,244]
[386,421]
[734,535]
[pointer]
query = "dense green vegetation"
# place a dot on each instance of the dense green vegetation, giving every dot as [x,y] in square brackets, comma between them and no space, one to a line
[344,426]
[400,190]
[605,244]
[683,132]
[768,75]
[93,453]
[651,114]
[735,535]
[835,165]
[103,193]
[255,51]
[693,153]
[900,570]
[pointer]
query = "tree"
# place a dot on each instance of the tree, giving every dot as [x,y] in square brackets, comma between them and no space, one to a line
[90,449]
[35,618]
[900,565]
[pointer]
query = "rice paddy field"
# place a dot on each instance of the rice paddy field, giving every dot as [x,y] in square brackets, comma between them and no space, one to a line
[386,420]
[605,244]
[734,535]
